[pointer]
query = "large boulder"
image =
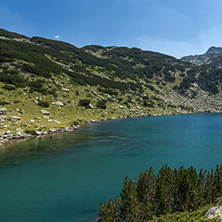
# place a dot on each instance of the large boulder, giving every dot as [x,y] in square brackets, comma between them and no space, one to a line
[3,111]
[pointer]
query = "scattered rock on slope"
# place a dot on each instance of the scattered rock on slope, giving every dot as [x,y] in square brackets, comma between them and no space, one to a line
[44,112]
[3,111]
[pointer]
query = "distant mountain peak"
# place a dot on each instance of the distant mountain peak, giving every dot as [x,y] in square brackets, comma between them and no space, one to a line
[214,50]
[206,58]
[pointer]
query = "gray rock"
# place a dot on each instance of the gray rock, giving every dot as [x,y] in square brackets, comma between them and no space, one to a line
[15,117]
[214,212]
[91,106]
[66,129]
[18,129]
[44,112]
[3,111]
[7,132]
[58,103]
[38,133]
[74,127]
[52,130]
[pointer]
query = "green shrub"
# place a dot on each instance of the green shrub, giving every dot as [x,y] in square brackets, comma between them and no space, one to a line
[52,92]
[9,87]
[32,132]
[84,102]
[43,104]
[145,102]
[16,101]
[13,77]
[75,123]
[101,104]
[4,103]
[37,85]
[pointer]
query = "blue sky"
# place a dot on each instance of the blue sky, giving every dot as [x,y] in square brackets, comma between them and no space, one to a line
[173,27]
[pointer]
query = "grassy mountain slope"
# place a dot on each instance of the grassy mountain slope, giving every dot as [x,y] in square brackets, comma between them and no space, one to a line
[94,82]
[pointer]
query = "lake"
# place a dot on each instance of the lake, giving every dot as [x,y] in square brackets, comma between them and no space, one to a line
[64,178]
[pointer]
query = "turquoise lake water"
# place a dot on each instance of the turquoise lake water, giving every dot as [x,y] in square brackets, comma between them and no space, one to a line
[64,178]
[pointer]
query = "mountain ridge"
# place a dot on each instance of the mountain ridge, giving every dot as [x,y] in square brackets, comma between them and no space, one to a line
[213,49]
[206,58]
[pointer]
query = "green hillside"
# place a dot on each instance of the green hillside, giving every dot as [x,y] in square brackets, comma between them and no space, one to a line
[46,85]
[75,85]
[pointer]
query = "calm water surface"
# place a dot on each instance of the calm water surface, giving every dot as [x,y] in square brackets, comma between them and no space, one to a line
[66,177]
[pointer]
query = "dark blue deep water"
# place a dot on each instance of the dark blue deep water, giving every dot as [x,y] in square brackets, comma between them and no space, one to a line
[64,178]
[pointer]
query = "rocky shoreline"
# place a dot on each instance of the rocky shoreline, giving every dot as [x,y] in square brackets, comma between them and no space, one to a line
[8,136]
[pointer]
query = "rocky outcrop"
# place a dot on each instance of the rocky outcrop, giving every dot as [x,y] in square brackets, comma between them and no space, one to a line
[7,136]
[201,102]
[206,58]
[215,212]
[214,50]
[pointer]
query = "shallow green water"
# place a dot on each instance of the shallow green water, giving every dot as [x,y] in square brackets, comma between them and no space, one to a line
[66,177]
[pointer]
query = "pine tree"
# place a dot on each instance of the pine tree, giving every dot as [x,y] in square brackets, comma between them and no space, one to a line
[146,189]
[164,191]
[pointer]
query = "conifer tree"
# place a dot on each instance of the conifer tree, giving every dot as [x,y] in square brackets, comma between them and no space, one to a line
[170,191]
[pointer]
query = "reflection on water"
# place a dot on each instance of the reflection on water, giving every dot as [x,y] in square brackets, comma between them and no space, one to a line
[17,151]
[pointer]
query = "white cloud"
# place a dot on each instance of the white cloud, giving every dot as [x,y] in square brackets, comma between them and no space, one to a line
[56,36]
